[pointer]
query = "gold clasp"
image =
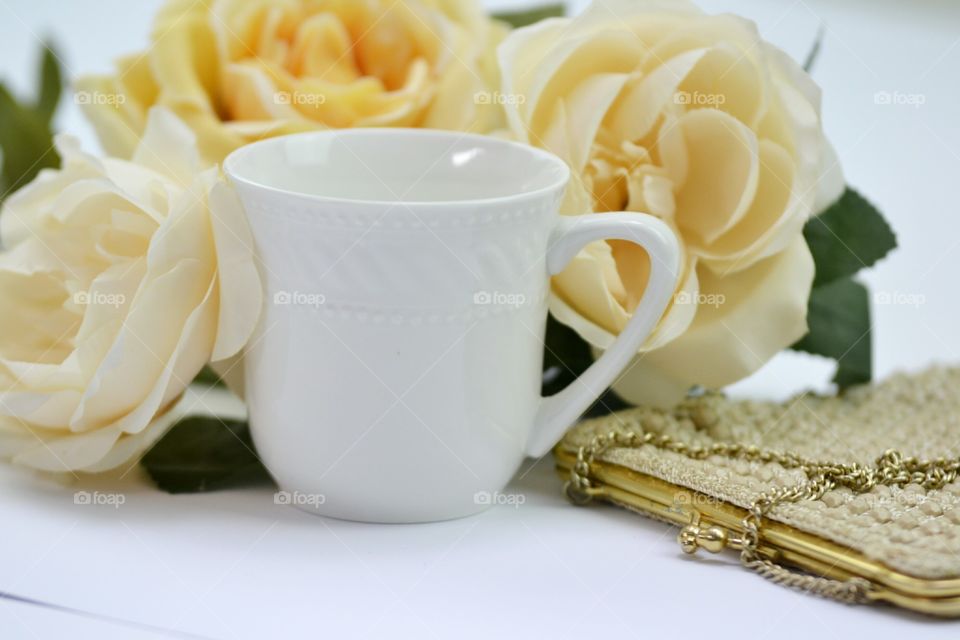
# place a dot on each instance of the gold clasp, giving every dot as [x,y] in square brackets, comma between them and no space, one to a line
[694,537]
[578,495]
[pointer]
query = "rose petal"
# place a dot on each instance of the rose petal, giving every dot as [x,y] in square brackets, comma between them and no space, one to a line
[722,174]
[250,94]
[578,116]
[644,100]
[183,365]
[775,218]
[143,345]
[186,68]
[518,54]
[591,283]
[542,68]
[169,147]
[29,207]
[323,47]
[117,129]
[830,180]
[36,321]
[194,401]
[741,322]
[240,290]
[53,453]
[726,78]
[117,106]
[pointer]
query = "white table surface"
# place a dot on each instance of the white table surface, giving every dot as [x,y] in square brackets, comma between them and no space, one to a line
[235,565]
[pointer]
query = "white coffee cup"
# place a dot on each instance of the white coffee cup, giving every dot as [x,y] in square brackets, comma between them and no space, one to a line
[395,374]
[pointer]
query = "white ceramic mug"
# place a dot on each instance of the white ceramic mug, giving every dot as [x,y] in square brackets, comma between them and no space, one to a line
[395,375]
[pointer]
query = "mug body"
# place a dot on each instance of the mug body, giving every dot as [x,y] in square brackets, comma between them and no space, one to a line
[396,369]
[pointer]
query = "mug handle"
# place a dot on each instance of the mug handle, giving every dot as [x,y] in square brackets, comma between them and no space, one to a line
[557,412]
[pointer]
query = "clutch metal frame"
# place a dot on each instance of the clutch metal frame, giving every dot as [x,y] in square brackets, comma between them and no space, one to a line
[661,500]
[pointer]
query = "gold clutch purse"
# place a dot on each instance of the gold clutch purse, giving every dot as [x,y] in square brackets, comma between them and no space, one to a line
[854,497]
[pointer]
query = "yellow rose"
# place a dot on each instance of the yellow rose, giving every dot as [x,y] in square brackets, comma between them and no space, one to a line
[658,107]
[119,281]
[240,70]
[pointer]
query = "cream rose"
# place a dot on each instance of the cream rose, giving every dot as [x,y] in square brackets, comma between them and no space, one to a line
[658,107]
[239,70]
[118,281]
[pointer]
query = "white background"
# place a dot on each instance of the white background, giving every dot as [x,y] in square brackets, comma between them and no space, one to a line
[235,565]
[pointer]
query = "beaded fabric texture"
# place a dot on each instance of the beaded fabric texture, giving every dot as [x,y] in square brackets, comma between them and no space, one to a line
[909,529]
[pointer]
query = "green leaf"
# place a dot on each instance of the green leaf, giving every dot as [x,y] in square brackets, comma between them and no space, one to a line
[205,454]
[208,377]
[565,356]
[814,52]
[517,19]
[850,235]
[51,85]
[26,141]
[839,319]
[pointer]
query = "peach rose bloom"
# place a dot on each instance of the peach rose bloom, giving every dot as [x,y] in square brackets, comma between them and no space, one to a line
[119,281]
[240,70]
[660,108]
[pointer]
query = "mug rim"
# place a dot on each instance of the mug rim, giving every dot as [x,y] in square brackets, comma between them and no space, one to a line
[231,170]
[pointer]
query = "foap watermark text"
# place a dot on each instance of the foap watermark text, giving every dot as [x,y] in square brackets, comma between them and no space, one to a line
[499,299]
[99,498]
[299,298]
[495,498]
[298,499]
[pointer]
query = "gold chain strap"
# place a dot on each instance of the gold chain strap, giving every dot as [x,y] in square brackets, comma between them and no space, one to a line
[891,469]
